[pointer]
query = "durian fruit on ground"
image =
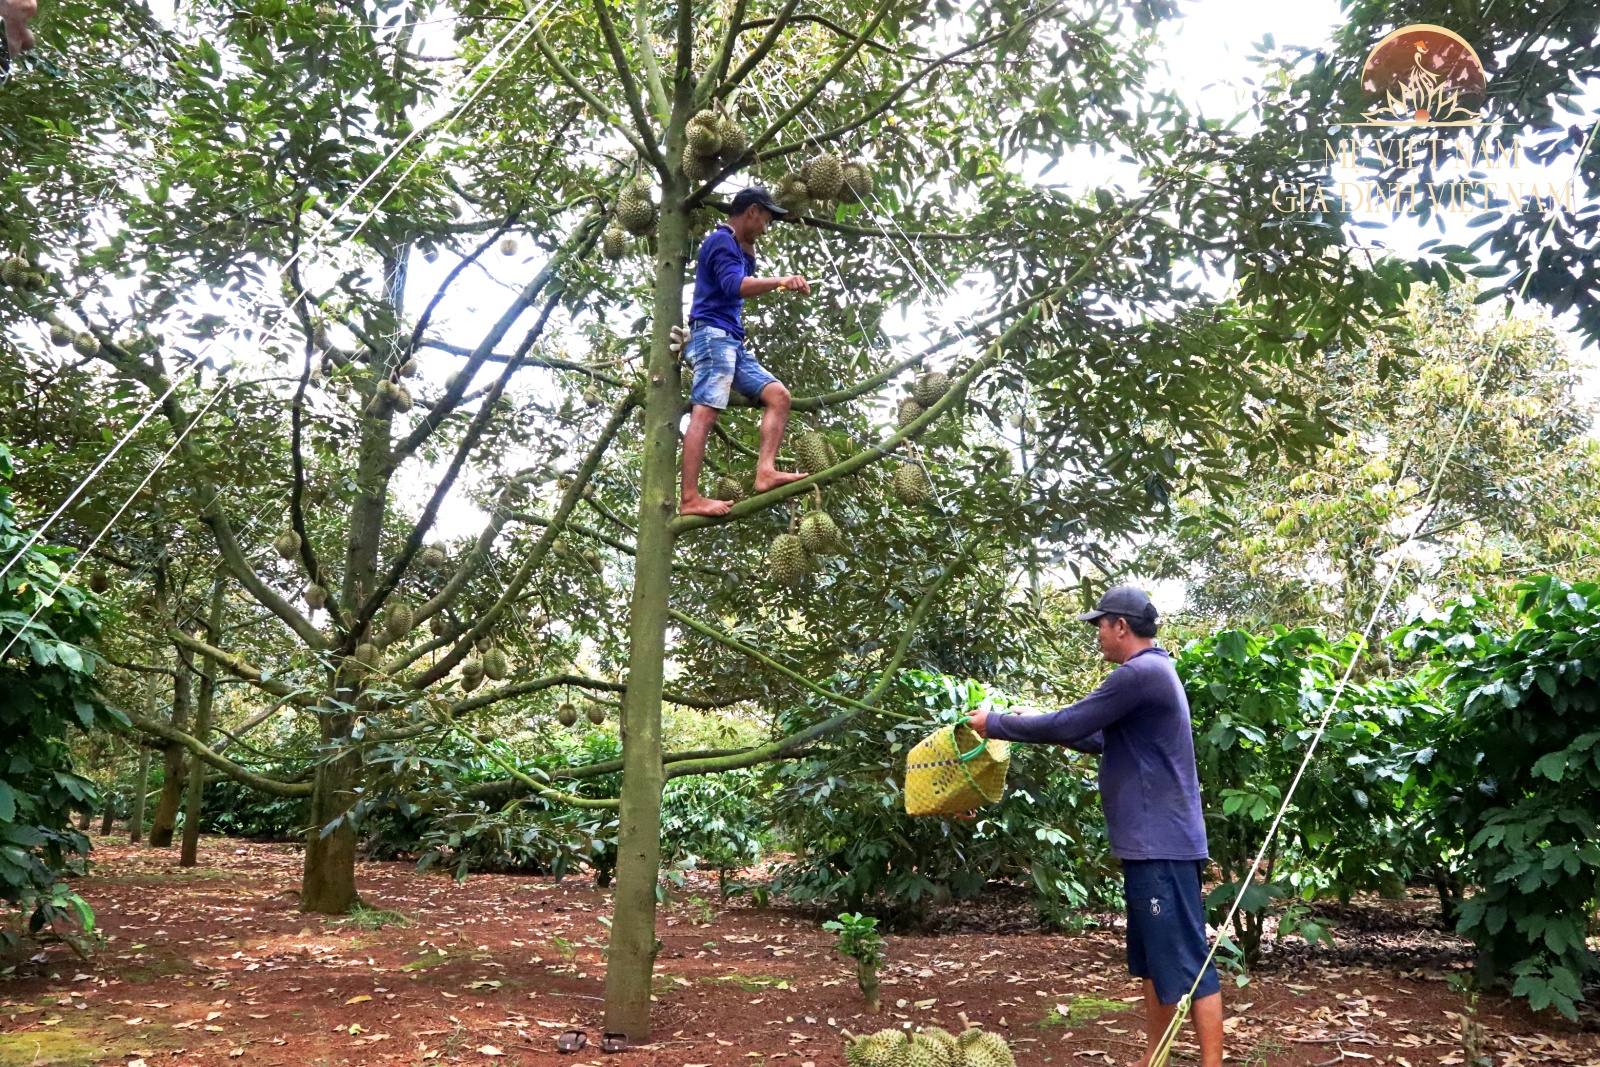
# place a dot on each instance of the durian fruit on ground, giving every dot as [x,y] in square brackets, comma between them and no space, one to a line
[786,559]
[886,1048]
[819,533]
[930,388]
[946,1050]
[982,1048]
[910,485]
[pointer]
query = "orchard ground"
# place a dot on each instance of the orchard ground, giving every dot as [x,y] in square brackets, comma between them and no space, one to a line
[214,964]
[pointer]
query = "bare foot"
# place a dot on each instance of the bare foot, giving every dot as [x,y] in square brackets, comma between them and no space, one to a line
[701,505]
[766,480]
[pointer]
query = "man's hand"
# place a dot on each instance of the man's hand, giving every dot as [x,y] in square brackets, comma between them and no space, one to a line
[794,284]
[979,721]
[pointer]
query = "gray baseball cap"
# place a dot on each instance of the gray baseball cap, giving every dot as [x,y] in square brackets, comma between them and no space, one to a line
[1122,600]
[755,194]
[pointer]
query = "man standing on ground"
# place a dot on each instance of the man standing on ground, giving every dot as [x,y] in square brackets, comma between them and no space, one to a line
[1138,722]
[724,279]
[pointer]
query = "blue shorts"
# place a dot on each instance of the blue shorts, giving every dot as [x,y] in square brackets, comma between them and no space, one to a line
[720,364]
[1167,927]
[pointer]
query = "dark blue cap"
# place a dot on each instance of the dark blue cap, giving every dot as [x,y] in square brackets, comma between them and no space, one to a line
[754,194]
[1123,600]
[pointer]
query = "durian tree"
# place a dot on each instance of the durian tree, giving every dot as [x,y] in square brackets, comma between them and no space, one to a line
[1098,376]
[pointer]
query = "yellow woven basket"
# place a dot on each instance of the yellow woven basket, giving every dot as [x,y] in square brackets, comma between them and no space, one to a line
[953,771]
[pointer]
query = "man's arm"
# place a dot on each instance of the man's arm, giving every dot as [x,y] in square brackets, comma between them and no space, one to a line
[1078,726]
[758,286]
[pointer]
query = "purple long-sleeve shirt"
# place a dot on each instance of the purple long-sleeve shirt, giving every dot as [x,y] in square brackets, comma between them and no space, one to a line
[1138,721]
[720,269]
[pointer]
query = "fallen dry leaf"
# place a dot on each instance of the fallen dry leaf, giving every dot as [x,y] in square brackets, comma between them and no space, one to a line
[489,1050]
[358,1000]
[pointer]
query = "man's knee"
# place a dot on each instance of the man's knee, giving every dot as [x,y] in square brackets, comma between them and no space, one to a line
[776,396]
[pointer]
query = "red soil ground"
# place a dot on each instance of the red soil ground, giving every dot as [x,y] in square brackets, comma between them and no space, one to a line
[213,965]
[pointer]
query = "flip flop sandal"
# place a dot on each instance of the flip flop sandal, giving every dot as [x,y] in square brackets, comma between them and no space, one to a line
[571,1040]
[614,1043]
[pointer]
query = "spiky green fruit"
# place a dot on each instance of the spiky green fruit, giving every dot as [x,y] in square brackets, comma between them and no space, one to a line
[965,1039]
[316,597]
[853,1052]
[786,559]
[471,668]
[566,715]
[508,246]
[910,485]
[886,1048]
[495,665]
[367,654]
[728,489]
[927,1054]
[613,242]
[697,168]
[469,682]
[704,117]
[857,177]
[909,411]
[791,193]
[596,714]
[432,557]
[988,1050]
[702,139]
[635,213]
[930,387]
[99,582]
[408,369]
[484,643]
[439,625]
[811,450]
[86,344]
[400,398]
[591,397]
[823,175]
[819,533]
[400,620]
[33,281]
[941,1035]
[287,544]
[15,270]
[60,334]
[734,140]
[558,548]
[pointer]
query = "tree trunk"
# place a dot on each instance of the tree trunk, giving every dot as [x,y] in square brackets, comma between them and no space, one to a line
[631,957]
[141,782]
[108,816]
[166,816]
[189,854]
[328,883]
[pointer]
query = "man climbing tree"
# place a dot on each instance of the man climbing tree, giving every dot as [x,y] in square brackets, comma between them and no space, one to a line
[723,281]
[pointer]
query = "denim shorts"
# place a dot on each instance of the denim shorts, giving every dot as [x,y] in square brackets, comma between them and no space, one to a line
[720,364]
[1167,927]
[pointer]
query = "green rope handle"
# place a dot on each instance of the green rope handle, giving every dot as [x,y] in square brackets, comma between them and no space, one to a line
[1164,1048]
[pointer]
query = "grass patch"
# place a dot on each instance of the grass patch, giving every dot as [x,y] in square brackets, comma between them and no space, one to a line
[751,983]
[365,918]
[1267,1050]
[431,958]
[1082,1010]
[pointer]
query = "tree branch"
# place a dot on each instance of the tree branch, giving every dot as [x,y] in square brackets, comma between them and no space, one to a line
[763,46]
[652,69]
[529,361]
[241,668]
[719,60]
[468,260]
[543,791]
[204,753]
[630,88]
[598,106]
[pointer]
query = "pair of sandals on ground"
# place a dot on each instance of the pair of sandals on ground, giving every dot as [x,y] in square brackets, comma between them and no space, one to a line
[576,1040]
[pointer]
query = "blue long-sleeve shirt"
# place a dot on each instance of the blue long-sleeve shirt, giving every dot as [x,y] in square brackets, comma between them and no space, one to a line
[1138,721]
[721,266]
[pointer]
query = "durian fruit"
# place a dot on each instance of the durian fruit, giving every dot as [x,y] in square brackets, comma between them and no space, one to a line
[566,714]
[591,397]
[986,1049]
[695,167]
[729,489]
[930,387]
[408,369]
[635,212]
[471,675]
[910,411]
[734,140]
[15,270]
[592,558]
[886,1048]
[400,398]
[435,555]
[596,714]
[925,1053]
[494,664]
[33,281]
[786,559]
[558,548]
[316,597]
[613,242]
[791,193]
[819,533]
[811,449]
[99,582]
[367,654]
[940,1036]
[484,643]
[60,334]
[910,485]
[439,625]
[857,178]
[287,544]
[86,344]
[399,620]
[823,175]
[702,138]
[508,246]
